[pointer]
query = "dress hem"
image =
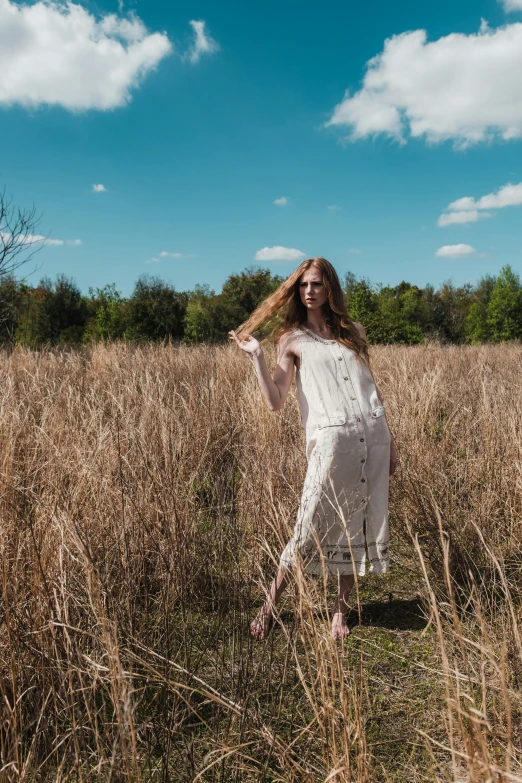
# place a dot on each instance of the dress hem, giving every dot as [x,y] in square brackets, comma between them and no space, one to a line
[338,569]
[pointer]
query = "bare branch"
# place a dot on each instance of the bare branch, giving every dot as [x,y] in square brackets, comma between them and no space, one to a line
[19,240]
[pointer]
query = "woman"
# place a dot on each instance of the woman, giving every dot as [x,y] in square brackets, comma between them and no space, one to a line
[343,512]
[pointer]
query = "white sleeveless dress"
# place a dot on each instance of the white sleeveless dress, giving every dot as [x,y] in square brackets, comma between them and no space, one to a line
[343,513]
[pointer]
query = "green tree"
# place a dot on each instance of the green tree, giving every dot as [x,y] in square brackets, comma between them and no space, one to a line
[198,324]
[156,310]
[349,286]
[210,316]
[399,308]
[504,310]
[10,303]
[65,309]
[106,314]
[477,328]
[364,308]
[33,328]
[52,313]
[242,293]
[431,314]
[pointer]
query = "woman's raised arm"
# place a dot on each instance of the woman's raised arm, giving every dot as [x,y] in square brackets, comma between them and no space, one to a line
[274,390]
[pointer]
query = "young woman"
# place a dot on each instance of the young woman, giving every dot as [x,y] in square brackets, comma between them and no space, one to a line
[343,513]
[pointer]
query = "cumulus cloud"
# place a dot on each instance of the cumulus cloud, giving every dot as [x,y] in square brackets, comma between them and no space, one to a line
[279,253]
[60,54]
[34,239]
[203,43]
[355,251]
[469,210]
[507,196]
[463,217]
[455,251]
[30,239]
[99,189]
[281,202]
[166,254]
[464,88]
[512,5]
[55,242]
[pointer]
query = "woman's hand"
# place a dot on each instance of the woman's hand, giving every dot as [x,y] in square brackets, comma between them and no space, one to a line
[393,458]
[274,389]
[248,343]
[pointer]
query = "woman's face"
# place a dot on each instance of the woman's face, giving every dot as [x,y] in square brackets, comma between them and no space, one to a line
[312,289]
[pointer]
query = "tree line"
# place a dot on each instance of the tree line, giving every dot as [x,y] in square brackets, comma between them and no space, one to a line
[57,313]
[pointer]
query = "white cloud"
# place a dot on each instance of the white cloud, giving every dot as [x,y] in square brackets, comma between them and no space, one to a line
[355,251]
[30,239]
[461,218]
[58,53]
[33,239]
[203,43]
[281,202]
[99,189]
[334,207]
[464,88]
[512,5]
[455,251]
[279,253]
[467,210]
[54,242]
[164,254]
[507,196]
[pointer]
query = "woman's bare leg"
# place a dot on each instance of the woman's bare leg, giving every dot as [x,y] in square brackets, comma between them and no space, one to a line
[260,625]
[339,625]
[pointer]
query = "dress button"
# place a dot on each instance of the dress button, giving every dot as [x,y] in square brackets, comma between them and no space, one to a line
[352,398]
[362,440]
[345,377]
[339,357]
[362,481]
[358,420]
[363,460]
[318,426]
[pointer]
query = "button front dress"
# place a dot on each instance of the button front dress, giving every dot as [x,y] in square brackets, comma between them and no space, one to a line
[343,513]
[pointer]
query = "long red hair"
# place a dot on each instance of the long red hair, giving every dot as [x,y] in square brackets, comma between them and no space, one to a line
[283,309]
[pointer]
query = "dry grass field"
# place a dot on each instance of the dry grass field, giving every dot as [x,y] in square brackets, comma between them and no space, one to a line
[145,495]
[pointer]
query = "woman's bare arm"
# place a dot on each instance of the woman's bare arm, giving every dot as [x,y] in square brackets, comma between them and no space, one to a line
[275,390]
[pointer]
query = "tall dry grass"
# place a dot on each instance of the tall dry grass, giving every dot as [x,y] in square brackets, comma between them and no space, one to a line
[145,495]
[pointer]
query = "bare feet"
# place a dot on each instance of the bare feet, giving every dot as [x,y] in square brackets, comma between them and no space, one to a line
[339,625]
[260,625]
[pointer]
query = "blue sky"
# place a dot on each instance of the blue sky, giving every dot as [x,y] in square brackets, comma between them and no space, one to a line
[193,142]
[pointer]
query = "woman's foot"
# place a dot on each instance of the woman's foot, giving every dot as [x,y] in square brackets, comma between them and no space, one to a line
[339,625]
[260,625]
